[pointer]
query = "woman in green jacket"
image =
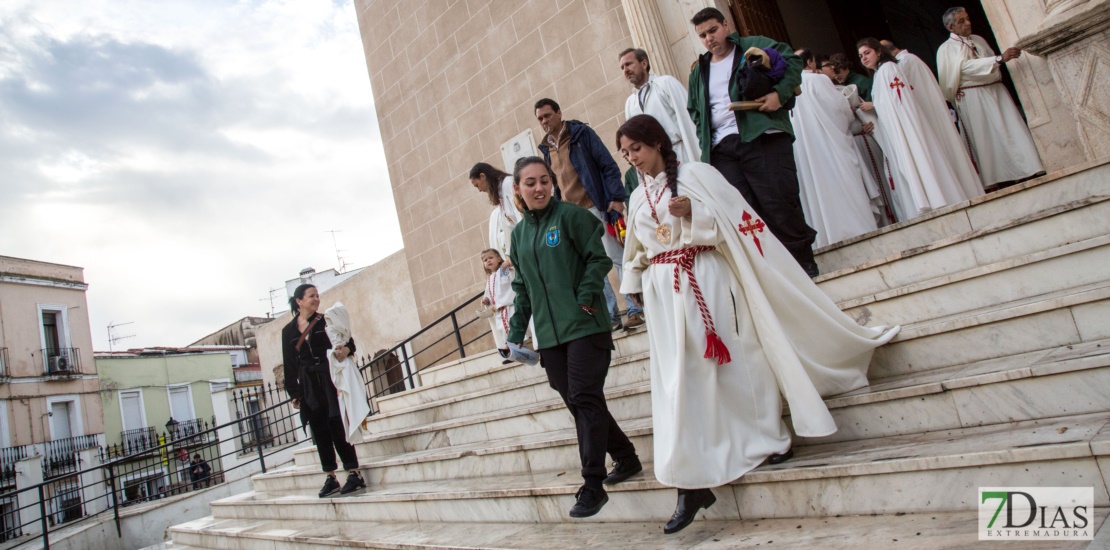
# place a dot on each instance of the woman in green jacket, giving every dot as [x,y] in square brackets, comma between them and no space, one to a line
[560,263]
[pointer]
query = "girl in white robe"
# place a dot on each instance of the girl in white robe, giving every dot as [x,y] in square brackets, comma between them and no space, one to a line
[349,385]
[935,170]
[733,321]
[499,297]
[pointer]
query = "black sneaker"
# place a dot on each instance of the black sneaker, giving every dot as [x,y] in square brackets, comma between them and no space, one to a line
[623,470]
[617,325]
[590,501]
[330,487]
[354,483]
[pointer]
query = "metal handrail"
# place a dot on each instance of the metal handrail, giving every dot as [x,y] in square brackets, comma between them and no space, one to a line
[408,361]
[63,492]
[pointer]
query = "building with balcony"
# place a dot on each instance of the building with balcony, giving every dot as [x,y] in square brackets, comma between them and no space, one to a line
[49,391]
[240,333]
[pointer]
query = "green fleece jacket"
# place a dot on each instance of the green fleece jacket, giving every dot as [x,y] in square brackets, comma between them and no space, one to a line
[751,124]
[560,265]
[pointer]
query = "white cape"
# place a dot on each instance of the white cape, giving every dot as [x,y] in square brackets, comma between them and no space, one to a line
[871,159]
[1001,144]
[832,188]
[503,219]
[934,169]
[499,292]
[351,388]
[665,99]
[713,423]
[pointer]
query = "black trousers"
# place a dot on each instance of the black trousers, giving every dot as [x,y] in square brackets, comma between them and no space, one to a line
[577,370]
[327,432]
[764,172]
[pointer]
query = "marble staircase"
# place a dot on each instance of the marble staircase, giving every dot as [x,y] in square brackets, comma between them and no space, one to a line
[1000,376]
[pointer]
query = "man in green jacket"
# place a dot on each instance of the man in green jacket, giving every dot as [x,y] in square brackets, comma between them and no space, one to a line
[752,149]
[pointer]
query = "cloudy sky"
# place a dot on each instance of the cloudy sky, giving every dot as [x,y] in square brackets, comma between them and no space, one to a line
[189,154]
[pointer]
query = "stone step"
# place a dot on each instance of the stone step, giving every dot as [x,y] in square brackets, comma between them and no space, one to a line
[932,472]
[1010,205]
[1058,269]
[1068,381]
[1056,319]
[485,371]
[1046,229]
[1060,318]
[533,389]
[925,531]
[1077,263]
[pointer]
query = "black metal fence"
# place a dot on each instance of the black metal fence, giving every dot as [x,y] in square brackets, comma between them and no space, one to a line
[190,457]
[8,457]
[5,368]
[447,338]
[60,455]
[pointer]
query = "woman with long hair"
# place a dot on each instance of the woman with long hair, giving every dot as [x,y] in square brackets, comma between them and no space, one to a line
[560,264]
[305,346]
[499,186]
[732,322]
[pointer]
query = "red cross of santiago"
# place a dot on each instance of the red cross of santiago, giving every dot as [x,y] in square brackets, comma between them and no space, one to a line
[751,226]
[897,86]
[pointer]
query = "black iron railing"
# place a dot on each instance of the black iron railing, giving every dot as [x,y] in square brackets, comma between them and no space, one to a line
[60,455]
[5,368]
[168,467]
[61,361]
[8,457]
[391,371]
[134,441]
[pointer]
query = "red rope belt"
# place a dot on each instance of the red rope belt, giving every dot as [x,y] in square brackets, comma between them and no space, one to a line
[684,258]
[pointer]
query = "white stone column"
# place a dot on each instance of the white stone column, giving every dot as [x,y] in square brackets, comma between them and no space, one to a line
[648,32]
[221,410]
[28,473]
[93,482]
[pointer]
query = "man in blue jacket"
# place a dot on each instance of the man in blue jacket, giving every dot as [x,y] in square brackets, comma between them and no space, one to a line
[588,177]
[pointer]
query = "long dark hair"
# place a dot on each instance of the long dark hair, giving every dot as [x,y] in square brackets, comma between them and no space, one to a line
[645,129]
[494,177]
[523,163]
[874,44]
[298,295]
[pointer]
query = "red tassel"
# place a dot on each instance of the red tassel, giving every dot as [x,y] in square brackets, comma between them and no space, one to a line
[714,347]
[610,229]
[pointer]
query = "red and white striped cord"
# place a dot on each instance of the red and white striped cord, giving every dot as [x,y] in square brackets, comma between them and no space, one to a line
[684,258]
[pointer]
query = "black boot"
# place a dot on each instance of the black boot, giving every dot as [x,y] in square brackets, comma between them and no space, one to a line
[623,469]
[779,458]
[331,485]
[588,502]
[689,502]
[354,483]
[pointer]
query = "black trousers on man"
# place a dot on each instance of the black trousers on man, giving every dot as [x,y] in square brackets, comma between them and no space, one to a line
[764,172]
[330,438]
[577,370]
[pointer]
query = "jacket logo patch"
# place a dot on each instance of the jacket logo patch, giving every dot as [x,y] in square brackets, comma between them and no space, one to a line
[552,236]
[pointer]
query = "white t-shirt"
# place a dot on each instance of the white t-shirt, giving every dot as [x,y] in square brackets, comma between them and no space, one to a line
[724,120]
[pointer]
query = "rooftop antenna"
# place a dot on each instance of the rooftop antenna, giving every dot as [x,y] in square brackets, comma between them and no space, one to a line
[338,257]
[271,299]
[112,338]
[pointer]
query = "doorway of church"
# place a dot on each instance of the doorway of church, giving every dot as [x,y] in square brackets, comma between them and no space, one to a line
[831,26]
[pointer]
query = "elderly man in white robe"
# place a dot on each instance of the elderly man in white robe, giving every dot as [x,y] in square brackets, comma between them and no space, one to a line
[831,180]
[936,170]
[971,78]
[662,97]
[735,326]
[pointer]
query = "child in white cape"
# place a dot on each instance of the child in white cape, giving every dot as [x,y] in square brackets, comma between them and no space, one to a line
[351,388]
[499,297]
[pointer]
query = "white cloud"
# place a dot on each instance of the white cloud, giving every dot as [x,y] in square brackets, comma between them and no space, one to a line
[189,154]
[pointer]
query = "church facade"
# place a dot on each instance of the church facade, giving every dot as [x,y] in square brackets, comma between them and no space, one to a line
[454,80]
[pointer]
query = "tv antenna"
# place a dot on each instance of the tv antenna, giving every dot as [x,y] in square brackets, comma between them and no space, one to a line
[338,257]
[113,338]
[271,299]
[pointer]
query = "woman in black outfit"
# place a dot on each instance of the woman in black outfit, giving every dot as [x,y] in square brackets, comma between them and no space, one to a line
[305,346]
